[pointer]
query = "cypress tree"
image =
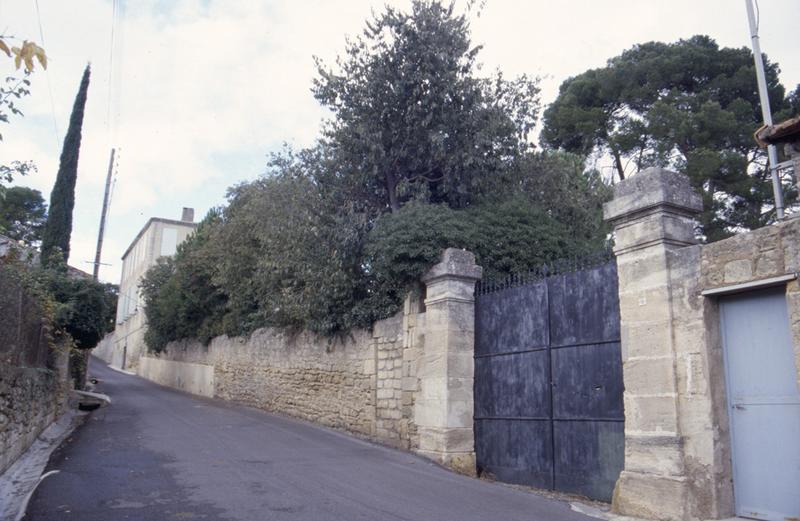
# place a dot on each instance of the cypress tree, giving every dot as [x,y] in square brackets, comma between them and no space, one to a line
[58,229]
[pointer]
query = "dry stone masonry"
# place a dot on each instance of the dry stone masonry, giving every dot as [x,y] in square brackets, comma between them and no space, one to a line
[34,383]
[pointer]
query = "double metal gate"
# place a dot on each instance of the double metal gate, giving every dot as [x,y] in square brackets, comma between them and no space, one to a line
[548,382]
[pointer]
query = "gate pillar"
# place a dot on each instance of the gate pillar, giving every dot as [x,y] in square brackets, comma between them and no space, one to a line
[443,410]
[652,214]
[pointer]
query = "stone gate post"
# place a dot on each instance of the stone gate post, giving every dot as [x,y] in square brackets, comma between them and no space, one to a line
[652,214]
[444,406]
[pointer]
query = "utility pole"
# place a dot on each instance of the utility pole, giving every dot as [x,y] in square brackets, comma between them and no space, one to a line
[766,112]
[96,271]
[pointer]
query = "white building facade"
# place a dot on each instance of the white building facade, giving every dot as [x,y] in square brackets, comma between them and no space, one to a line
[158,238]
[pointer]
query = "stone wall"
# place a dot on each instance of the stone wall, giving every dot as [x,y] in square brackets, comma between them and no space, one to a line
[363,383]
[33,371]
[107,351]
[407,383]
[677,440]
[30,400]
[302,375]
[192,378]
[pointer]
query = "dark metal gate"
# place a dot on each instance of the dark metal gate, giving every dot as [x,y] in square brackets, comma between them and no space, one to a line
[548,382]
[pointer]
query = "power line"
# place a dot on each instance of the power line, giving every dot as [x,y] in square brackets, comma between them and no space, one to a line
[47,74]
[111,62]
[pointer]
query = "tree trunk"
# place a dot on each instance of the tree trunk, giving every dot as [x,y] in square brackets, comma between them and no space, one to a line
[617,161]
[391,189]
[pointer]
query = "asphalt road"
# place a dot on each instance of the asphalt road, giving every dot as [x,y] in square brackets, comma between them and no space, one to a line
[158,454]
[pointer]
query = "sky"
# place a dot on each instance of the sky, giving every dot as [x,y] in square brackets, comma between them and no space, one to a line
[197,93]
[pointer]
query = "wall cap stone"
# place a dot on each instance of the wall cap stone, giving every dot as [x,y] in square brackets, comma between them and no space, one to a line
[455,264]
[649,189]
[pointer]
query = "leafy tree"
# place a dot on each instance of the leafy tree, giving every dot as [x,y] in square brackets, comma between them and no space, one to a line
[412,120]
[510,236]
[294,258]
[22,214]
[420,155]
[691,106]
[58,229]
[180,300]
[558,184]
[83,307]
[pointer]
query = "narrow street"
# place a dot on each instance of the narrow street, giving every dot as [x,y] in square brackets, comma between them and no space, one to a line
[158,454]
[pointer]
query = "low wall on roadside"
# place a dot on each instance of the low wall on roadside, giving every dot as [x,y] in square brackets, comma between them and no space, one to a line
[332,382]
[33,371]
[193,378]
[106,351]
[392,384]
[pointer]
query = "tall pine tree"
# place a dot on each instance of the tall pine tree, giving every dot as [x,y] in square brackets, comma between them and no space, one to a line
[58,229]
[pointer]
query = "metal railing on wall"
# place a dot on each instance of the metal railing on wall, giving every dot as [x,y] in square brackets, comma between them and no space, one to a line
[542,271]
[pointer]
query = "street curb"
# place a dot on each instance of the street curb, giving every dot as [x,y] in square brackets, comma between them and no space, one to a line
[117,369]
[19,482]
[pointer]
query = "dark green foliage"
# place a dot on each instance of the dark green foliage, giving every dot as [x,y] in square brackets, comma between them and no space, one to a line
[558,184]
[691,106]
[78,306]
[283,255]
[180,300]
[83,308]
[421,155]
[58,229]
[22,214]
[411,118]
[506,237]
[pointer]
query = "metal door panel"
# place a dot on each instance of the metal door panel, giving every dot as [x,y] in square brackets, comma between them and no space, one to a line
[763,404]
[767,461]
[500,381]
[537,394]
[515,451]
[589,457]
[584,306]
[587,382]
[504,323]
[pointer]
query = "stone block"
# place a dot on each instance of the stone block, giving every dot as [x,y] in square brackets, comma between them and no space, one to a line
[651,188]
[738,271]
[432,365]
[791,246]
[646,338]
[437,439]
[648,496]
[433,388]
[650,414]
[410,383]
[692,374]
[649,375]
[641,269]
[429,412]
[460,365]
[645,306]
[460,414]
[455,263]
[660,455]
